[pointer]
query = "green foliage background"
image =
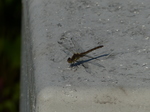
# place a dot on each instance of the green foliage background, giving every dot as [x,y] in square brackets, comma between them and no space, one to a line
[10,41]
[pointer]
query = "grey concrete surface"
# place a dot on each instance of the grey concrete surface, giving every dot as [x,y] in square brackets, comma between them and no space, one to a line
[117,79]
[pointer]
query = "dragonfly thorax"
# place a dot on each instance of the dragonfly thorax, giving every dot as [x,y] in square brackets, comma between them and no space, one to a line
[74,58]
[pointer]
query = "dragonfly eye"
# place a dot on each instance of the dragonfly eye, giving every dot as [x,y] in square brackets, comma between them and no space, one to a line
[69,60]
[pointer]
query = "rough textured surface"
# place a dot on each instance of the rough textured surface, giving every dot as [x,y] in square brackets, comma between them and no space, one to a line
[118,80]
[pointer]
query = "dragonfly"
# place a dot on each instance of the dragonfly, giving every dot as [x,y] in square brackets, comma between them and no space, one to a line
[77,56]
[72,45]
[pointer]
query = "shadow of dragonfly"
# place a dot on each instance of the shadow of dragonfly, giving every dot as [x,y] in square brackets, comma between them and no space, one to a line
[87,60]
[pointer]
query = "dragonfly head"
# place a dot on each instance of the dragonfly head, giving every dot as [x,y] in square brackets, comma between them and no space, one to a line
[69,60]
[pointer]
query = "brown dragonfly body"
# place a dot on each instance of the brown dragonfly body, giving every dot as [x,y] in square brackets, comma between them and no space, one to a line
[76,56]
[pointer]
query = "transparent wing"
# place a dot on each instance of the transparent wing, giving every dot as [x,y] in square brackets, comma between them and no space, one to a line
[67,44]
[78,48]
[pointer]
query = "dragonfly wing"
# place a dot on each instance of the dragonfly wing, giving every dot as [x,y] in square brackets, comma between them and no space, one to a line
[91,57]
[79,50]
[67,44]
[97,64]
[87,69]
[70,44]
[77,46]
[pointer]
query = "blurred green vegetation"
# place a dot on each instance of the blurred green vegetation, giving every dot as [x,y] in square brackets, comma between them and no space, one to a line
[10,42]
